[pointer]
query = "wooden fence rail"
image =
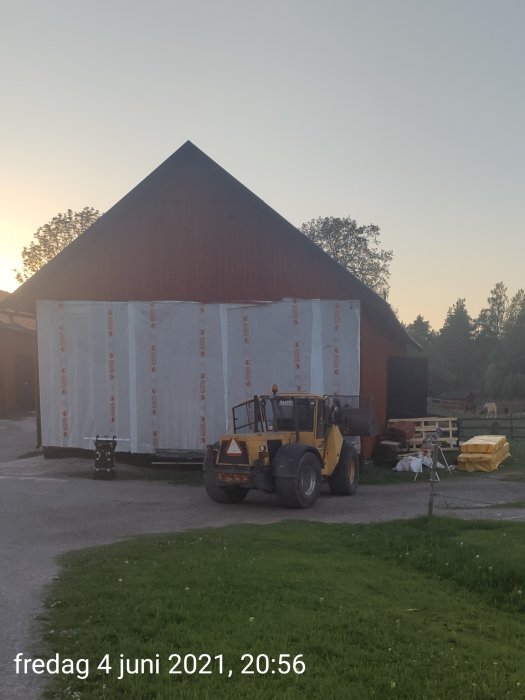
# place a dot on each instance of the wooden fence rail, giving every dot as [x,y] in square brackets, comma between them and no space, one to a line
[511,426]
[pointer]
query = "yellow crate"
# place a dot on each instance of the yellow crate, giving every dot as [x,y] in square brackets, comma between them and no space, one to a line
[484,444]
[483,461]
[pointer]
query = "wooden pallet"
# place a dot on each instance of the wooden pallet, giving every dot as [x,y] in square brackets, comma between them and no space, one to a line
[424,427]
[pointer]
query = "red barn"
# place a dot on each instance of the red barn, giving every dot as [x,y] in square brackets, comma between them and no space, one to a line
[191,232]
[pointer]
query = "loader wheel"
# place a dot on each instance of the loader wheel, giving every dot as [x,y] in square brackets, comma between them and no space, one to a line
[223,494]
[345,477]
[301,490]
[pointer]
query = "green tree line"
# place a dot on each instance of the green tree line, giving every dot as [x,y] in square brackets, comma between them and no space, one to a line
[483,355]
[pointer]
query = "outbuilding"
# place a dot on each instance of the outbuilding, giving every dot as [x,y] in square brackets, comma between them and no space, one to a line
[190,232]
[17,363]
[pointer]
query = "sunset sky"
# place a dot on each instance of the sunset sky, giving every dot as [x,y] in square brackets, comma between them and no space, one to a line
[408,114]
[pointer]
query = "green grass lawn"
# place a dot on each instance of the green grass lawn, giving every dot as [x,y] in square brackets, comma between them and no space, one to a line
[513,469]
[409,609]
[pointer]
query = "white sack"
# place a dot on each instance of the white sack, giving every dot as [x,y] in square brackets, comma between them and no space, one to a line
[409,463]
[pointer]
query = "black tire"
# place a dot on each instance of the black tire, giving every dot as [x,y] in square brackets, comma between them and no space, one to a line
[301,490]
[223,494]
[345,477]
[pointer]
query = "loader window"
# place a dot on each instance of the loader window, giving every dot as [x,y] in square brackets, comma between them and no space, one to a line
[321,419]
[305,414]
[243,417]
[282,414]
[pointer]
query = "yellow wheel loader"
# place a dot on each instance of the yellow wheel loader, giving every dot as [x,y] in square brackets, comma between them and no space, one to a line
[288,444]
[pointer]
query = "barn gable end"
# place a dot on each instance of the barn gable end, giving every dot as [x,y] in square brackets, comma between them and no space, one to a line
[191,232]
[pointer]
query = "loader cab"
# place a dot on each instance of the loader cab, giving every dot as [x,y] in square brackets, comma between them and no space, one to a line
[283,413]
[312,414]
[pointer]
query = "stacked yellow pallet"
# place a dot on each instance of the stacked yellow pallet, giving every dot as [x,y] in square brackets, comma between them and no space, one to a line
[483,453]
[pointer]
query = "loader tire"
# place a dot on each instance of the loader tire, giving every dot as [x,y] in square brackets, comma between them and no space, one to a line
[301,490]
[223,494]
[345,477]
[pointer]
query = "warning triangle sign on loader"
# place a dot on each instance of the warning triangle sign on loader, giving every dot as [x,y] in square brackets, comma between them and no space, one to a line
[233,449]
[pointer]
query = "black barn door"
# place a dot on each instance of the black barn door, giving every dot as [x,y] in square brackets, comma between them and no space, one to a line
[407,387]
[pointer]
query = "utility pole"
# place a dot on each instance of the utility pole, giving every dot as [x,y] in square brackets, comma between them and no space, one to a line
[433,477]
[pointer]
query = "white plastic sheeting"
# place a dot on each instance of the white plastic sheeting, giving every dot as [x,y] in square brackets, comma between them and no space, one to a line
[164,375]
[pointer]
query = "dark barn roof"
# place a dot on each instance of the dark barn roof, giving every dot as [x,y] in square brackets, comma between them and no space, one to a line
[190,231]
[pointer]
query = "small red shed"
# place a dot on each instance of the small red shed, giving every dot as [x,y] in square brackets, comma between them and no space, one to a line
[17,365]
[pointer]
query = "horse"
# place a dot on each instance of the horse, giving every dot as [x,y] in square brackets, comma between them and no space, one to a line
[470,404]
[490,409]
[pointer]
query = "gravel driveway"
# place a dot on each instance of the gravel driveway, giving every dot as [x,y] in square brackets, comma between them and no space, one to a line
[50,507]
